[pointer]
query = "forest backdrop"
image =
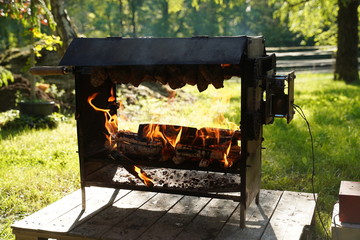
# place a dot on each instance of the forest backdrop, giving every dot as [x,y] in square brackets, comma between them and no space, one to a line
[283,23]
[51,24]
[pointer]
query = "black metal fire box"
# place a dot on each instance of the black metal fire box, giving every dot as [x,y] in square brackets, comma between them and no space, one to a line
[99,64]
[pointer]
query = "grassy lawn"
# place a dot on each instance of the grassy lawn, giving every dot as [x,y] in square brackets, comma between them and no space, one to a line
[38,167]
[333,110]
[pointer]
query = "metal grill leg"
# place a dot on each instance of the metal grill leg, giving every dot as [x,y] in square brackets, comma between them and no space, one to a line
[83,198]
[242,215]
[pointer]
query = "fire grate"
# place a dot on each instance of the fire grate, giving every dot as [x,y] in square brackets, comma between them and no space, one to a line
[166,180]
[225,165]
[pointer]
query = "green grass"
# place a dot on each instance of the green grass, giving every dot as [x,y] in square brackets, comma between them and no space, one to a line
[211,108]
[333,110]
[38,167]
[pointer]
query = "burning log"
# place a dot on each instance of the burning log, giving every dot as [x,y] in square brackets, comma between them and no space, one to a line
[179,144]
[206,156]
[129,165]
[134,146]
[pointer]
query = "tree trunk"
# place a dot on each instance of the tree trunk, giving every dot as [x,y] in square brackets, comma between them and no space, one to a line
[346,67]
[164,32]
[32,52]
[133,7]
[121,21]
[64,27]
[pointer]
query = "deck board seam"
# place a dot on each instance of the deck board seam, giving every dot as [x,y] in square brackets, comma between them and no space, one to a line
[271,215]
[103,234]
[228,218]
[159,218]
[194,217]
[110,203]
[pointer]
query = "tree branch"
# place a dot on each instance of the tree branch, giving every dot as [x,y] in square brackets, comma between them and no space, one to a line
[292,5]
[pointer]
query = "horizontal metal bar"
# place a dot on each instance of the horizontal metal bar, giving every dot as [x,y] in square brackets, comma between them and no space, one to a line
[181,191]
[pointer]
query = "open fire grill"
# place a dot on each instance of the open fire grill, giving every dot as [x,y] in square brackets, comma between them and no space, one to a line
[208,162]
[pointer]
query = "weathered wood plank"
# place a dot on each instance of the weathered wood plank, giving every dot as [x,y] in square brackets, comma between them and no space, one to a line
[101,223]
[210,220]
[69,220]
[257,218]
[39,235]
[56,209]
[178,217]
[294,211]
[143,218]
[150,216]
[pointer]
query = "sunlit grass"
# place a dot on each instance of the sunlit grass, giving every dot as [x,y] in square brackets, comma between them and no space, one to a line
[37,167]
[333,110]
[211,108]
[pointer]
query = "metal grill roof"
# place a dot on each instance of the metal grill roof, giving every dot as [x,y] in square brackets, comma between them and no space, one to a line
[117,51]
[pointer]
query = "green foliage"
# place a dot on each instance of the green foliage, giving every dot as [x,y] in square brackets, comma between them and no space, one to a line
[13,120]
[34,19]
[5,76]
[313,19]
[48,42]
[185,18]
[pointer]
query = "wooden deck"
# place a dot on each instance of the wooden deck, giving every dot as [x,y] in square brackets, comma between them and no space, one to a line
[124,214]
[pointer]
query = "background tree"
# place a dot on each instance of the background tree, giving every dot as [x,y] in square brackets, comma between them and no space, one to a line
[346,67]
[180,18]
[64,26]
[36,20]
[316,21]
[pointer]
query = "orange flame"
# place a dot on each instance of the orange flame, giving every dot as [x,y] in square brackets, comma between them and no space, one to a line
[225,160]
[154,131]
[112,96]
[148,181]
[111,121]
[173,141]
[206,133]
